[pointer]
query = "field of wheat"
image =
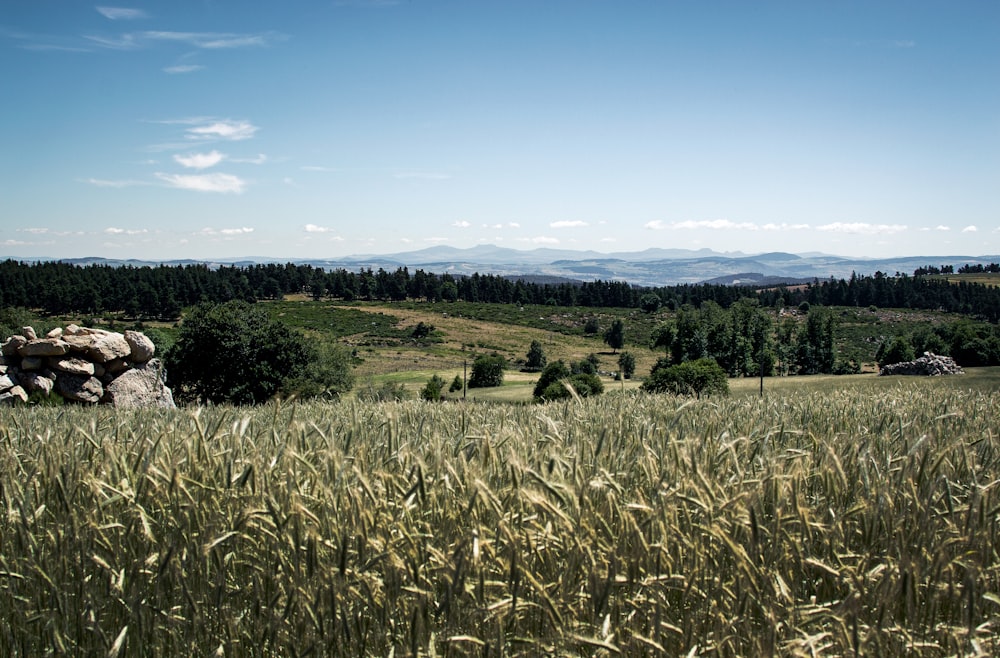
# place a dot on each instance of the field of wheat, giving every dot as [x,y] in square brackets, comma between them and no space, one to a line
[849,523]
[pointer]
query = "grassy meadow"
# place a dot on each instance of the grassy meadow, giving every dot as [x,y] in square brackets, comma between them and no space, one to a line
[819,520]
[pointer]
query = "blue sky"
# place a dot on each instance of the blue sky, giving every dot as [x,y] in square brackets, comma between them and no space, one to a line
[224,128]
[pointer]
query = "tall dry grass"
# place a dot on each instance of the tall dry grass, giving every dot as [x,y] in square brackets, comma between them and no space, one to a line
[844,524]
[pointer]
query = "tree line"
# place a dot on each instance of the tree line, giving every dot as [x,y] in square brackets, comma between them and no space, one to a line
[163,291]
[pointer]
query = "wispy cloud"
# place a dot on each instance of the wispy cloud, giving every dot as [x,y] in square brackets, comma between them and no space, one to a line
[259,160]
[713,224]
[970,229]
[784,227]
[862,228]
[224,183]
[224,129]
[200,160]
[541,239]
[568,224]
[33,230]
[315,168]
[183,68]
[122,13]
[202,40]
[228,232]
[942,227]
[100,182]
[313,228]
[462,224]
[113,230]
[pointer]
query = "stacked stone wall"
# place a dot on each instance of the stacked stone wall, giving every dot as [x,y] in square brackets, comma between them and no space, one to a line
[929,365]
[80,364]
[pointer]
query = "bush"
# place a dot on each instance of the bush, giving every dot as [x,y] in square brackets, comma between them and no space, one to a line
[432,391]
[456,384]
[552,384]
[487,371]
[898,351]
[700,377]
[591,327]
[386,392]
[235,352]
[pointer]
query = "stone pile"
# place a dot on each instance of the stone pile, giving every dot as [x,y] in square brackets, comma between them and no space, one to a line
[84,365]
[929,365]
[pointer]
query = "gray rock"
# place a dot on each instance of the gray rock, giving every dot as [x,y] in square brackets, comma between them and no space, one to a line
[44,347]
[16,394]
[141,386]
[55,333]
[29,333]
[13,344]
[80,388]
[109,346]
[7,382]
[33,381]
[71,365]
[142,347]
[928,365]
[117,366]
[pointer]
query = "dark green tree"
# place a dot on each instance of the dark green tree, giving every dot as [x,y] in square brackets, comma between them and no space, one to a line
[487,371]
[432,390]
[663,337]
[650,302]
[234,352]
[536,358]
[816,352]
[591,327]
[898,350]
[456,384]
[626,365]
[615,335]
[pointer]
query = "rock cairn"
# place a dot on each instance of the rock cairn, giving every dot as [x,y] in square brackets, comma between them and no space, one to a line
[929,365]
[90,366]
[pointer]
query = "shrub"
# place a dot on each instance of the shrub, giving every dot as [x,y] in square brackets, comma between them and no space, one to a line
[626,364]
[552,384]
[432,391]
[487,371]
[898,351]
[703,376]
[235,352]
[456,384]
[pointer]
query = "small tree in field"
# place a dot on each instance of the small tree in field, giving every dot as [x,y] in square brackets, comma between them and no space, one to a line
[536,357]
[432,391]
[626,365]
[487,371]
[615,335]
[456,384]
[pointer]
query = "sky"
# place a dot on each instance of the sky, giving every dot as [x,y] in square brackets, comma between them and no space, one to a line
[213,129]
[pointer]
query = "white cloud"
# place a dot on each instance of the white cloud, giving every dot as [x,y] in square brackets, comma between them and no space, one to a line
[543,239]
[225,183]
[200,160]
[15,243]
[941,227]
[713,224]
[862,228]
[113,230]
[114,183]
[182,68]
[313,228]
[121,13]
[513,225]
[784,227]
[225,129]
[568,224]
[34,231]
[462,224]
[970,229]
[212,40]
[225,231]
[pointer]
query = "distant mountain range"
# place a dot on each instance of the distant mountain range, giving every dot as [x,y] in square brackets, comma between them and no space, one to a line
[652,267]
